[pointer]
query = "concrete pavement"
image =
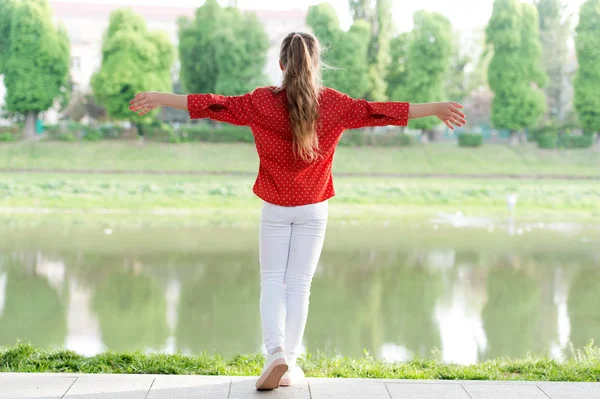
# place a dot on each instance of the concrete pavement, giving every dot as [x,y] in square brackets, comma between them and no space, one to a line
[147,386]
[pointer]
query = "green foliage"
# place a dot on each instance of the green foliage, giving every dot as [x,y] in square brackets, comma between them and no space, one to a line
[584,141]
[6,136]
[35,56]
[427,64]
[92,134]
[345,52]
[555,31]
[397,68]
[470,140]
[587,80]
[221,134]
[363,138]
[222,50]
[513,32]
[6,9]
[133,60]
[378,17]
[66,136]
[547,141]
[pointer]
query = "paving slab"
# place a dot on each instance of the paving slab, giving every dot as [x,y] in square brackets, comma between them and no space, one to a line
[504,391]
[244,387]
[123,386]
[400,390]
[34,385]
[190,387]
[117,386]
[335,388]
[570,390]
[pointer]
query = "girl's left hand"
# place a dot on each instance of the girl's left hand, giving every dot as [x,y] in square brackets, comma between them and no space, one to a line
[145,102]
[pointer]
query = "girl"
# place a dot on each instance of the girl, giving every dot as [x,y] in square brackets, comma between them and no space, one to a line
[296,128]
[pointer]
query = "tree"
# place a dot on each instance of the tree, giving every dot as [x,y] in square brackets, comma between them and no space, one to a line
[34,60]
[222,51]
[397,68]
[133,60]
[427,65]
[515,68]
[456,84]
[378,14]
[6,8]
[346,52]
[587,80]
[555,29]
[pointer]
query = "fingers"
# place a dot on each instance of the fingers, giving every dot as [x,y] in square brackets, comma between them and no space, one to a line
[448,124]
[457,105]
[457,121]
[457,112]
[139,98]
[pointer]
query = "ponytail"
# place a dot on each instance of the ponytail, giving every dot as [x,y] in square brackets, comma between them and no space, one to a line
[300,56]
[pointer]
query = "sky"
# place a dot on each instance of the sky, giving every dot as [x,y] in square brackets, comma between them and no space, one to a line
[465,15]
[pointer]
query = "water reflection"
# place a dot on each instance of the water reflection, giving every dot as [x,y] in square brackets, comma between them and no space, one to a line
[414,292]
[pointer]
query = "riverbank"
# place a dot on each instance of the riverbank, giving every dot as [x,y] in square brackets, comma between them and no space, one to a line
[583,366]
[436,159]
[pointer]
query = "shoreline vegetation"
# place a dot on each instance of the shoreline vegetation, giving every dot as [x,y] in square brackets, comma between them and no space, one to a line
[583,365]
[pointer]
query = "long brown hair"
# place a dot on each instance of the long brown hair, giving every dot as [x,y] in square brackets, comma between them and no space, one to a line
[301,59]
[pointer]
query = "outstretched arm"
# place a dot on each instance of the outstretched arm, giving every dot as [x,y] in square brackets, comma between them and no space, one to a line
[359,113]
[447,112]
[237,110]
[146,102]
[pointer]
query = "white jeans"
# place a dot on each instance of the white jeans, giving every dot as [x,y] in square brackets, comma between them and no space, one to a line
[290,244]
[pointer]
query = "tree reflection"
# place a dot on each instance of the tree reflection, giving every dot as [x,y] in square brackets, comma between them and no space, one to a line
[365,299]
[584,307]
[131,310]
[219,304]
[511,313]
[33,310]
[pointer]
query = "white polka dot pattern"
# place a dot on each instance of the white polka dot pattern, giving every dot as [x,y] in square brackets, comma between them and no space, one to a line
[282,178]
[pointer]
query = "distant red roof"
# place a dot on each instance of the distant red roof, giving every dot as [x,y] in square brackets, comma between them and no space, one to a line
[155,13]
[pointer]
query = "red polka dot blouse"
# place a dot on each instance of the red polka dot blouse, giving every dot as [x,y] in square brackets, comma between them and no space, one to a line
[284,179]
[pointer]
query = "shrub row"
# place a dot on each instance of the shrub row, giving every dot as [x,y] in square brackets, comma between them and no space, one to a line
[470,140]
[549,141]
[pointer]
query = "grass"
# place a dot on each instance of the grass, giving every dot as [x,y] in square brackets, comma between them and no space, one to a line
[583,366]
[439,158]
[137,193]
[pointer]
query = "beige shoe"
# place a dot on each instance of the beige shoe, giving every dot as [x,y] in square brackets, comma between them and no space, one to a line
[275,367]
[293,376]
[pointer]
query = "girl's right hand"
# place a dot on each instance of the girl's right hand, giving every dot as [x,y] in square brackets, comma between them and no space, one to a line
[449,113]
[145,102]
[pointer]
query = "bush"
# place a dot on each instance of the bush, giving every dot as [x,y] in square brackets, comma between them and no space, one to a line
[353,138]
[110,131]
[160,131]
[219,134]
[470,140]
[361,138]
[547,141]
[7,136]
[92,134]
[67,136]
[584,141]
[546,130]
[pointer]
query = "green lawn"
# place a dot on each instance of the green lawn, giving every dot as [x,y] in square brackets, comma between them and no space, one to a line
[584,366]
[446,158]
[151,192]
